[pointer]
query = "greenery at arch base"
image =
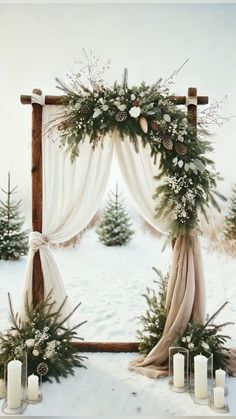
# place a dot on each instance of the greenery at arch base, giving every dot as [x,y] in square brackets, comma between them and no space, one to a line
[186,175]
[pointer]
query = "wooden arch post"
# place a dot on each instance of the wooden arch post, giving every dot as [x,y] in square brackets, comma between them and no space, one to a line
[37,194]
[191,100]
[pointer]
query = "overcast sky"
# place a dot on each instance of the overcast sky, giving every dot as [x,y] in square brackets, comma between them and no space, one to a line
[40,42]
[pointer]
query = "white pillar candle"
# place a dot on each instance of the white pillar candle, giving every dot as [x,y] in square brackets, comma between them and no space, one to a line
[14,369]
[219,399]
[200,376]
[2,389]
[220,378]
[178,370]
[33,387]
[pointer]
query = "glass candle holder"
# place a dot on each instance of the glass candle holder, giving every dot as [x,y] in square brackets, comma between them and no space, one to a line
[219,394]
[34,389]
[201,382]
[15,375]
[179,369]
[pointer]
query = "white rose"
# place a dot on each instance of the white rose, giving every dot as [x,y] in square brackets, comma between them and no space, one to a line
[166,117]
[133,97]
[122,108]
[35,352]
[189,339]
[121,92]
[29,343]
[135,111]
[190,346]
[105,108]
[183,339]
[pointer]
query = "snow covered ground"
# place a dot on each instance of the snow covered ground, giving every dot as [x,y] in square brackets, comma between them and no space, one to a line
[110,282]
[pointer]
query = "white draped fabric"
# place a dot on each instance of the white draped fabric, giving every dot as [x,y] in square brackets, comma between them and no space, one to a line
[138,170]
[71,196]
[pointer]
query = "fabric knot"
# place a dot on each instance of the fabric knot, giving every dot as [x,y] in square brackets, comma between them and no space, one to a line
[39,99]
[191,100]
[37,240]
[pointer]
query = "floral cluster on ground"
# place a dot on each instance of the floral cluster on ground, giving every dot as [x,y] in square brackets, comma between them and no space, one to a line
[197,337]
[44,338]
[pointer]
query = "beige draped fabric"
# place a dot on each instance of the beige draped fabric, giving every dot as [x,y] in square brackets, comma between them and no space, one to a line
[185,301]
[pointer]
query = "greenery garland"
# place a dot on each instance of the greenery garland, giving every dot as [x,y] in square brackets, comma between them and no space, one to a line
[197,337]
[44,338]
[187,179]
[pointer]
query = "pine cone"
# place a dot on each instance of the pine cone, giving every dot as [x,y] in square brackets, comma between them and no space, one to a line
[180,149]
[167,143]
[155,126]
[42,368]
[85,109]
[121,116]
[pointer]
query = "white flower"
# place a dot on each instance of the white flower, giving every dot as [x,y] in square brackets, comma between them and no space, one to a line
[142,94]
[135,111]
[97,112]
[205,345]
[122,108]
[77,106]
[180,163]
[190,346]
[121,92]
[105,108]
[166,117]
[189,339]
[35,352]
[29,343]
[183,339]
[132,97]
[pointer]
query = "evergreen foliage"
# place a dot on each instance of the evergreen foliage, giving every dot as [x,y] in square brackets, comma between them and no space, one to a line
[197,337]
[13,241]
[153,321]
[44,337]
[230,219]
[114,228]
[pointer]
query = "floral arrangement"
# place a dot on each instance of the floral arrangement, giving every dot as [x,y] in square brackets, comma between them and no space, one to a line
[44,338]
[197,337]
[188,179]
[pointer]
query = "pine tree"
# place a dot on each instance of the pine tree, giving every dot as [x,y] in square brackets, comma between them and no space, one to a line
[230,219]
[13,241]
[114,228]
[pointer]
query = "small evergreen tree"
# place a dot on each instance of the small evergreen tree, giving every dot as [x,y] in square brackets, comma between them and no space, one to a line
[13,241]
[230,219]
[114,227]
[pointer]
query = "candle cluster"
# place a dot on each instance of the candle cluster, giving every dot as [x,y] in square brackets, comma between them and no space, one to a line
[14,390]
[200,379]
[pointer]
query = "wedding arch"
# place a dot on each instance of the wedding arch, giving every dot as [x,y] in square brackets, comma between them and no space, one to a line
[55,221]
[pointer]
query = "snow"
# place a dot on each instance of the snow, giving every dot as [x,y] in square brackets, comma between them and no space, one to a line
[110,281]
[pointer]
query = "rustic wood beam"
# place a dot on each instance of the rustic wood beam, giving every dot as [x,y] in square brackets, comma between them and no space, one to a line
[107,346]
[37,198]
[57,100]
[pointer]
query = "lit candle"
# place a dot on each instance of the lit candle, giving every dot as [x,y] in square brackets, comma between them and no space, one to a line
[33,387]
[220,378]
[200,376]
[14,369]
[2,388]
[219,400]
[178,370]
